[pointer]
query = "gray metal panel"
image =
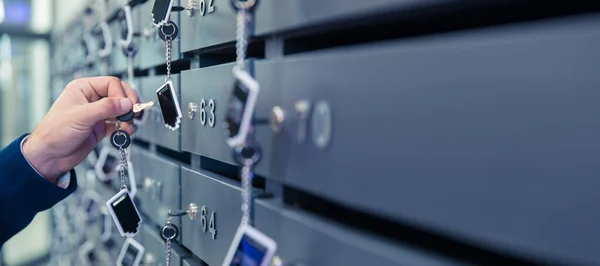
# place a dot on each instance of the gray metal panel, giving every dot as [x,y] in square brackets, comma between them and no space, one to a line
[152,48]
[192,262]
[274,16]
[158,187]
[213,28]
[304,239]
[487,133]
[216,83]
[158,134]
[218,196]
[155,246]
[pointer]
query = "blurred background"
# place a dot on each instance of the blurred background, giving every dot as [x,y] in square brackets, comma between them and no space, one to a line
[25,28]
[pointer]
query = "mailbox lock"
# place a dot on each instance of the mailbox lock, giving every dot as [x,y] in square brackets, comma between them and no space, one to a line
[192,210]
[148,182]
[149,259]
[192,109]
[191,7]
[276,119]
[276,261]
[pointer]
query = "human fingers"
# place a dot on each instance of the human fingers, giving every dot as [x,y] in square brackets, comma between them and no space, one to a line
[131,93]
[96,88]
[106,108]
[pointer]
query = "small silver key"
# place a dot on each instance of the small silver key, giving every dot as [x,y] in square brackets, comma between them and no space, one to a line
[138,107]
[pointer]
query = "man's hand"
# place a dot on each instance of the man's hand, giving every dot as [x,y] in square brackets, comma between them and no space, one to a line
[76,123]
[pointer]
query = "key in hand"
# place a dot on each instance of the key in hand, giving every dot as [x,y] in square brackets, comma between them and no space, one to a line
[138,107]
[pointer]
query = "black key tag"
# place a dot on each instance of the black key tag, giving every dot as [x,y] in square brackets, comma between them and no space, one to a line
[124,213]
[169,232]
[161,12]
[169,105]
[131,253]
[120,139]
[106,164]
[241,108]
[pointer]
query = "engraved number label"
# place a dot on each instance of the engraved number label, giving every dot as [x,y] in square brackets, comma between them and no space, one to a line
[210,225]
[203,7]
[207,112]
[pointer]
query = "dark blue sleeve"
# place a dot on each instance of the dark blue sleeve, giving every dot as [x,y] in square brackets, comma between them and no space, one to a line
[23,192]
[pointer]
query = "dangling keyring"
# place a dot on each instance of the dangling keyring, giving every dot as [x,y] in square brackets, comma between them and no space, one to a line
[125,142]
[247,5]
[168,24]
[169,227]
[250,151]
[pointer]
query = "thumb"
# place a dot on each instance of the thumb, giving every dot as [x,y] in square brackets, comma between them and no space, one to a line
[105,108]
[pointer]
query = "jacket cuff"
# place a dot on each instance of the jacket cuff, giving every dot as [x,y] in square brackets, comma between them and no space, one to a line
[62,181]
[25,184]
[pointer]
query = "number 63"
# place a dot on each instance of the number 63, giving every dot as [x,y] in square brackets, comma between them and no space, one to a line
[203,112]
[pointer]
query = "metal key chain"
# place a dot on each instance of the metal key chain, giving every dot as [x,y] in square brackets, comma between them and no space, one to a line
[246,151]
[166,94]
[121,206]
[121,140]
[170,231]
[247,156]
[239,125]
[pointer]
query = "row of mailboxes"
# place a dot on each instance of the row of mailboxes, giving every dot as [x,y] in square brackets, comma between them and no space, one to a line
[483,135]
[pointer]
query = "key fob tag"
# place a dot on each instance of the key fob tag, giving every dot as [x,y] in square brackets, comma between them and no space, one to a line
[126,24]
[131,254]
[250,247]
[241,107]
[125,214]
[90,205]
[169,105]
[161,12]
[106,231]
[106,47]
[106,164]
[87,255]
[88,48]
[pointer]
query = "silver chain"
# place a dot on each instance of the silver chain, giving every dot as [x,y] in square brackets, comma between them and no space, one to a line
[168,40]
[123,158]
[247,176]
[123,162]
[130,73]
[168,243]
[168,255]
[241,38]
[241,45]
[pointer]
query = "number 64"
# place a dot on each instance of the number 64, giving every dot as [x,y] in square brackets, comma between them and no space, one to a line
[211,224]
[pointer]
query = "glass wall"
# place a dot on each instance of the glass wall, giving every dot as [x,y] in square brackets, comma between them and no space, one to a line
[24,99]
